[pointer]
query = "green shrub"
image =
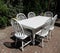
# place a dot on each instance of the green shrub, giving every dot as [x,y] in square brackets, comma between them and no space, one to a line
[3,21]
[10,8]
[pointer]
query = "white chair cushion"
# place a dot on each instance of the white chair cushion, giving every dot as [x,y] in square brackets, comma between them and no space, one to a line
[23,36]
[20,36]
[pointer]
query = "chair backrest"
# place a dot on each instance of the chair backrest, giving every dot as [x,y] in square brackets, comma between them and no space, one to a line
[53,20]
[31,14]
[46,27]
[48,13]
[17,27]
[21,16]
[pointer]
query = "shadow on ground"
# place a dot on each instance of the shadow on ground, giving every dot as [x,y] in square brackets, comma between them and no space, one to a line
[57,24]
[12,45]
[18,44]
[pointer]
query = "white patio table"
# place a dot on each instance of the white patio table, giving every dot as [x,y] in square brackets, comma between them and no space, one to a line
[33,23]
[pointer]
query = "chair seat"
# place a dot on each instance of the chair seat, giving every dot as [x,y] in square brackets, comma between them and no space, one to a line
[51,28]
[43,34]
[22,36]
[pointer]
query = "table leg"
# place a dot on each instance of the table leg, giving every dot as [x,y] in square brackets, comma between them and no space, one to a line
[33,37]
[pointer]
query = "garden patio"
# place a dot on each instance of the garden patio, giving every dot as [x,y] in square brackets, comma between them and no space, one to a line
[7,43]
[11,9]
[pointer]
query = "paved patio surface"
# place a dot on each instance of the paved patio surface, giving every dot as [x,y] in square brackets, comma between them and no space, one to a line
[52,46]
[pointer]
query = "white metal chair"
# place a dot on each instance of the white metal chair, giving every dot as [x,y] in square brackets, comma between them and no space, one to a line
[21,16]
[44,31]
[21,33]
[48,13]
[13,24]
[31,14]
[52,23]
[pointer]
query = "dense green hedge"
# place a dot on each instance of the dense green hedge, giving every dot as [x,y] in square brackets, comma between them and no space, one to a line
[9,8]
[39,6]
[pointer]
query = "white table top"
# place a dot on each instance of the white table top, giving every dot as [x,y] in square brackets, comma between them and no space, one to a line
[34,22]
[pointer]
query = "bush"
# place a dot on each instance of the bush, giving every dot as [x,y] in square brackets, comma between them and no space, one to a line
[3,21]
[39,6]
[9,8]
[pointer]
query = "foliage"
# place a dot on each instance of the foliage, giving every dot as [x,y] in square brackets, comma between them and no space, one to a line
[3,8]
[39,6]
[3,21]
[9,8]
[15,6]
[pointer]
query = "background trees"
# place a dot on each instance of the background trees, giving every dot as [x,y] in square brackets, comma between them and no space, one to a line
[9,8]
[39,5]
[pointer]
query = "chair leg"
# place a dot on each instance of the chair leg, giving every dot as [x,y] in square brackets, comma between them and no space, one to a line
[34,39]
[22,46]
[42,42]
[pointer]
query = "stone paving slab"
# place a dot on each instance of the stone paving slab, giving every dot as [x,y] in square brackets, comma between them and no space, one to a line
[2,35]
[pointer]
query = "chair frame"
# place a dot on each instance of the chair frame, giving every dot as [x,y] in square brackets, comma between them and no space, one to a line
[48,13]
[44,30]
[52,24]
[18,26]
[21,16]
[31,14]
